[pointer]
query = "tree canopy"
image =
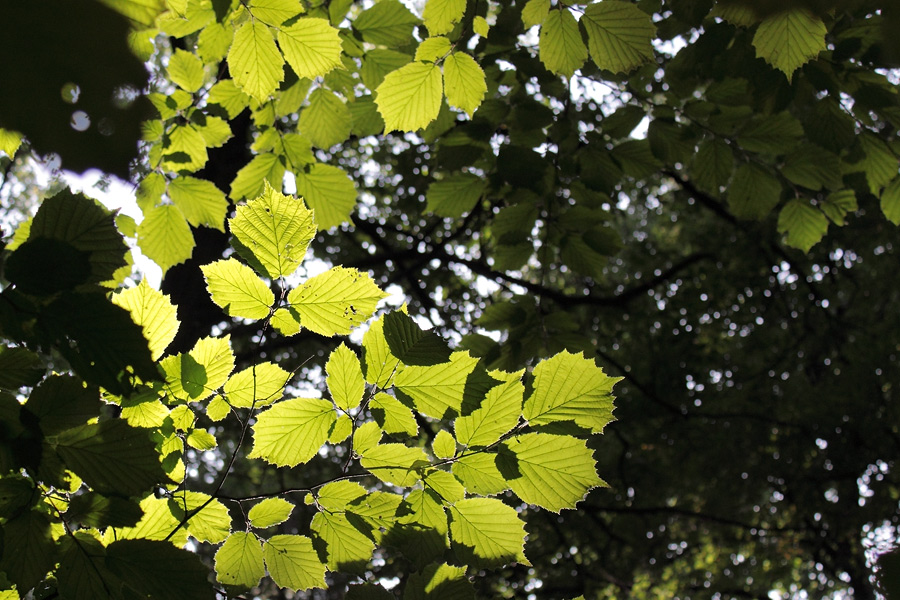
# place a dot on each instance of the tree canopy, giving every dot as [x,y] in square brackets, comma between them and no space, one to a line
[647,345]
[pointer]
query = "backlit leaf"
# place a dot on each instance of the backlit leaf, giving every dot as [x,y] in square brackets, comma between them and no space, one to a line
[432,49]
[254,61]
[619,35]
[441,15]
[159,570]
[411,344]
[890,201]
[345,380]
[153,311]
[479,473]
[464,82]
[499,413]
[196,375]
[336,301]
[380,364]
[379,62]
[326,121]
[439,581]
[165,237]
[270,511]
[156,524]
[186,70]
[311,46]
[410,97]
[803,224]
[211,523]
[329,191]
[486,533]
[562,50]
[395,463]
[236,288]
[387,22]
[257,385]
[239,561]
[534,12]
[392,415]
[251,179]
[444,446]
[437,390]
[456,195]
[28,550]
[789,39]
[346,548]
[275,12]
[839,204]
[200,201]
[292,431]
[293,562]
[184,150]
[753,192]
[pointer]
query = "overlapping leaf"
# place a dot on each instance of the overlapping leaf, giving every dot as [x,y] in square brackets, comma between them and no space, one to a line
[292,431]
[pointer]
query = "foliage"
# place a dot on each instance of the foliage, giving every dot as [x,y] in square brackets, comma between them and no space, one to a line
[519,159]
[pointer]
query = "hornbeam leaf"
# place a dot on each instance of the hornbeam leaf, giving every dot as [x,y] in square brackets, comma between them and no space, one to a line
[240,560]
[335,301]
[275,12]
[432,49]
[257,385]
[186,70]
[838,204]
[444,446]
[154,312]
[789,39]
[441,15]
[61,402]
[344,378]
[311,46]
[803,224]
[445,485]
[552,471]
[481,26]
[254,61]
[813,167]
[200,201]
[341,429]
[330,192]
[159,570]
[212,523]
[879,164]
[464,82]
[96,510]
[346,548]
[366,437]
[19,367]
[569,387]
[337,495]
[379,510]
[410,344]
[28,550]
[379,62]
[534,12]
[410,97]
[326,121]
[771,134]
[455,195]
[753,192]
[439,581]
[437,390]
[229,96]
[561,48]
[201,439]
[387,22]
[270,511]
[712,165]
[619,35]
[890,201]
[380,364]
[111,457]
[196,375]
[277,229]
[165,237]
[251,179]
[392,415]
[82,571]
[158,523]
[184,149]
[395,463]
[236,288]
[9,142]
[293,562]
[499,412]
[479,473]
[292,431]
[213,42]
[485,532]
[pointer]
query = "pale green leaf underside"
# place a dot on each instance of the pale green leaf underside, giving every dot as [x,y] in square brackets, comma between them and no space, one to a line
[236,288]
[410,97]
[325,122]
[619,35]
[803,224]
[154,312]
[789,39]
[292,431]
[240,560]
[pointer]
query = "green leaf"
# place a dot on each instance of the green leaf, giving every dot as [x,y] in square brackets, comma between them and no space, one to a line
[619,35]
[277,229]
[19,367]
[111,457]
[196,375]
[61,402]
[154,312]
[256,386]
[879,164]
[444,446]
[410,97]
[753,192]
[298,150]
[336,301]
[813,167]
[184,149]
[771,134]
[569,387]
[439,581]
[337,495]
[441,15]
[464,82]
[330,192]
[213,42]
[890,202]
[387,22]
[156,524]
[838,205]
[82,572]
[28,550]
[392,416]
[485,532]
[341,430]
[366,437]
[344,378]
[270,511]
[95,510]
[186,70]
[16,493]
[437,390]
[240,560]
[803,224]
[395,463]
[344,546]
[311,46]
[480,474]
[200,201]
[159,570]
[431,49]
[254,61]
[456,195]
[210,524]
[326,121]
[201,439]
[379,62]
[292,431]
[380,364]
[252,178]
[552,471]
[481,26]
[561,48]
[410,344]
[789,39]
[534,12]
[236,288]
[165,237]
[499,413]
[9,142]
[229,96]
[293,562]
[275,12]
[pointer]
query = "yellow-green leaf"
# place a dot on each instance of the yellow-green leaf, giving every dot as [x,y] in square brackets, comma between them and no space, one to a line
[464,82]
[154,312]
[257,385]
[9,142]
[619,35]
[326,121]
[444,446]
[211,523]
[292,431]
[329,192]
[275,12]
[890,201]
[186,70]
[437,391]
[165,237]
[481,26]
[395,463]
[486,533]
[253,177]
[561,48]
[392,415]
[194,376]
[240,560]
[236,288]
[534,12]
[381,364]
[336,301]
[311,46]
[184,150]
[254,61]
[387,22]
[441,15]
[803,224]
[346,547]
[410,97]
[344,378]
[432,49]
[293,562]
[200,201]
[789,39]
[498,413]
[270,511]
